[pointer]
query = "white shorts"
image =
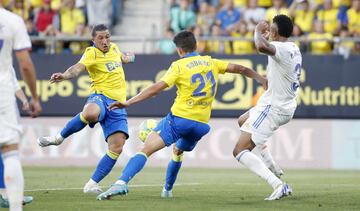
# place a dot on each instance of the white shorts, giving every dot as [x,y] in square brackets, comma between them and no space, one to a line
[262,122]
[10,128]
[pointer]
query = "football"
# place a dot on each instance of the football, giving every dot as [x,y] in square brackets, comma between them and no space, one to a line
[146,127]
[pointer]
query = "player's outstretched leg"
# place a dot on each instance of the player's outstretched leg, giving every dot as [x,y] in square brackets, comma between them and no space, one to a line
[172,172]
[15,180]
[4,202]
[74,125]
[116,142]
[153,143]
[243,154]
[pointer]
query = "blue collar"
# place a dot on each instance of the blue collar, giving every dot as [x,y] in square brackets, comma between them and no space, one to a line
[191,54]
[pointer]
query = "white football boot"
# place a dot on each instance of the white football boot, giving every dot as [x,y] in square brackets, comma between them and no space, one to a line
[92,187]
[50,140]
[166,193]
[279,192]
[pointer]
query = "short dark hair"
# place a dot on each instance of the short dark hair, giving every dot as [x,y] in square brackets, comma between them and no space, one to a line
[284,24]
[98,28]
[186,41]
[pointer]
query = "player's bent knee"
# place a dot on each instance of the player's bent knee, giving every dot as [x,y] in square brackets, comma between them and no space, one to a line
[177,151]
[91,116]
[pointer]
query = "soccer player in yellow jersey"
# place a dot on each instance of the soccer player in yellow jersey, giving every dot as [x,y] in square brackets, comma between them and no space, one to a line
[103,61]
[196,79]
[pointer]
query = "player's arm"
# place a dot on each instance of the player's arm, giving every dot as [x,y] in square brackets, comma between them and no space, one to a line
[149,92]
[29,75]
[262,45]
[128,58]
[70,73]
[239,69]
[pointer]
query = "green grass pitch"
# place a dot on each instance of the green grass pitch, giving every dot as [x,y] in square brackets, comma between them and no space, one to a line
[60,189]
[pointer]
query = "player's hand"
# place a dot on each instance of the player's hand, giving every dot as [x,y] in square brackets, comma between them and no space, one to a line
[262,27]
[26,106]
[129,57]
[35,108]
[57,77]
[264,82]
[117,105]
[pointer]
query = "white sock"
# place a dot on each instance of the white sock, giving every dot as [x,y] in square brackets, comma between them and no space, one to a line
[266,156]
[14,180]
[91,182]
[255,165]
[59,138]
[120,182]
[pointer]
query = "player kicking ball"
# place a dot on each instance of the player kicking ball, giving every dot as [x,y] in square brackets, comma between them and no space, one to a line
[196,79]
[104,62]
[277,105]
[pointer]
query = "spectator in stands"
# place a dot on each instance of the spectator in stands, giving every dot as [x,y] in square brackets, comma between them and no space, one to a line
[242,46]
[356,49]
[265,3]
[302,14]
[217,46]
[21,9]
[344,47]
[182,17]
[353,17]
[278,8]
[72,20]
[99,12]
[166,45]
[228,16]
[240,4]
[329,16]
[253,14]
[322,46]
[299,35]
[205,18]
[45,20]
[200,44]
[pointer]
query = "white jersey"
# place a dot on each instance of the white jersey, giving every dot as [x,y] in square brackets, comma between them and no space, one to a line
[13,37]
[283,74]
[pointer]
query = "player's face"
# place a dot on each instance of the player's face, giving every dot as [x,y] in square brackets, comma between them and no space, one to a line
[102,40]
[274,32]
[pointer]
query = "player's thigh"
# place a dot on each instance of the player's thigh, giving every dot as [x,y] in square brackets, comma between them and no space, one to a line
[189,140]
[116,142]
[10,127]
[153,143]
[95,107]
[166,130]
[115,122]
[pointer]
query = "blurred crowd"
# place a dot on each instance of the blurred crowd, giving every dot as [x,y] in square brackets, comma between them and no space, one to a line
[320,25]
[62,18]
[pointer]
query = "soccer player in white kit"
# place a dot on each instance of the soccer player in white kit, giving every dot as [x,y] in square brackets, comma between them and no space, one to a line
[277,105]
[13,37]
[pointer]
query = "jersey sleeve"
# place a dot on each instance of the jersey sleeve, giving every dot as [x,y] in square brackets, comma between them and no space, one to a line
[88,58]
[220,66]
[21,37]
[171,75]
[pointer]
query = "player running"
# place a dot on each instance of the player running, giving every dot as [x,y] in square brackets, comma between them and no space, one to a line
[103,61]
[277,105]
[196,80]
[13,37]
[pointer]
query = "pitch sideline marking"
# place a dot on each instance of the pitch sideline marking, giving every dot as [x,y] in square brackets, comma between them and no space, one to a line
[132,186]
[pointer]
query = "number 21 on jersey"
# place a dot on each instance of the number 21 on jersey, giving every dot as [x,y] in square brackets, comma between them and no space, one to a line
[203,81]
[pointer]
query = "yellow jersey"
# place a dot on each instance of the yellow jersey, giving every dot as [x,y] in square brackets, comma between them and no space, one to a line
[242,46]
[329,17]
[353,20]
[272,12]
[304,19]
[70,19]
[106,72]
[196,80]
[320,47]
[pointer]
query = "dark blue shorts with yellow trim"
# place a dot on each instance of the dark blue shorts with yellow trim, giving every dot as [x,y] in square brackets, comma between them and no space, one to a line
[184,132]
[111,121]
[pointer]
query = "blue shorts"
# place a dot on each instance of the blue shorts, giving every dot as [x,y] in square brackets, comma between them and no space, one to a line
[111,121]
[184,132]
